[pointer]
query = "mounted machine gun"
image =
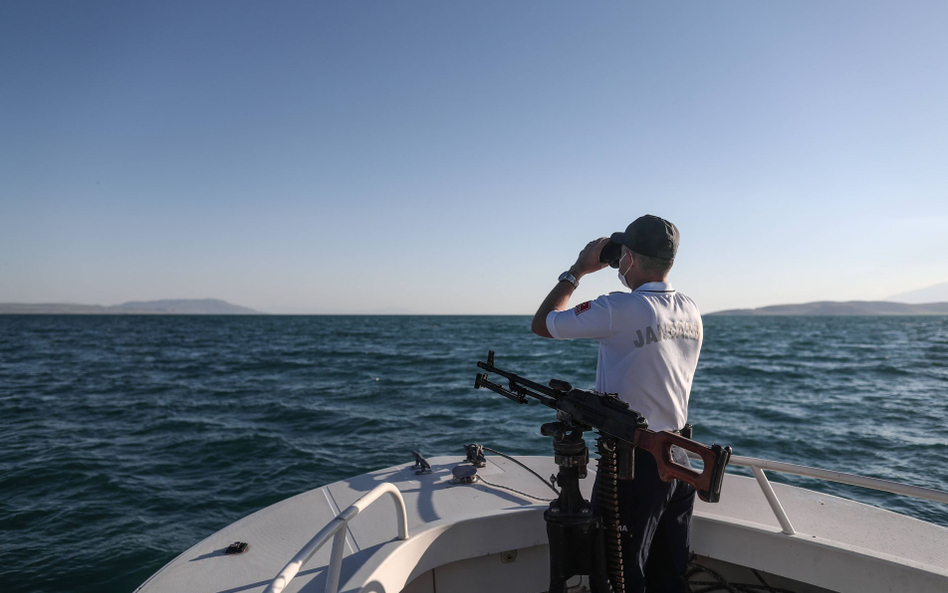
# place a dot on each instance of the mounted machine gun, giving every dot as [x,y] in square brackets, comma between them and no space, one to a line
[586,539]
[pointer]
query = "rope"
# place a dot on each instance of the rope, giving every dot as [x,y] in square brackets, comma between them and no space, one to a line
[720,583]
[492,485]
[539,477]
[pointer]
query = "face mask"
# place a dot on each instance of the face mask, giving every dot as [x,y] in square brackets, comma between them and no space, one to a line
[621,273]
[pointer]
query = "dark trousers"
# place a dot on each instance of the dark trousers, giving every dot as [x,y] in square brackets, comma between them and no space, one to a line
[655,519]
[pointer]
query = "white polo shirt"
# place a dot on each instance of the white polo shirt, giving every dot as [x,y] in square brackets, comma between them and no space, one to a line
[649,341]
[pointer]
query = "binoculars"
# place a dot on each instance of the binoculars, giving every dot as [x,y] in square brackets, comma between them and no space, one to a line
[611,253]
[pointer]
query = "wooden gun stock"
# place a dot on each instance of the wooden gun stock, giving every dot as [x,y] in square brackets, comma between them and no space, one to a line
[715,458]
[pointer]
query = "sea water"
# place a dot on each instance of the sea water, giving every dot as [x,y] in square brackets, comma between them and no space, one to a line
[125,440]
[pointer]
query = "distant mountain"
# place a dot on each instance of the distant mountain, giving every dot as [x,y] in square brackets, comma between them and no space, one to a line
[844,308]
[160,307]
[185,307]
[932,294]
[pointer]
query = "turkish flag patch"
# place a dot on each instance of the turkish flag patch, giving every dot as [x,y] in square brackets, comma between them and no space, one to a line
[583,307]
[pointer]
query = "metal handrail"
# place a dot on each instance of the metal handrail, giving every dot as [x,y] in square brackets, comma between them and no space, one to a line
[759,465]
[337,529]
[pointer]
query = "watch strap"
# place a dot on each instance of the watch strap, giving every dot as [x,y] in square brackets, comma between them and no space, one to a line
[568,277]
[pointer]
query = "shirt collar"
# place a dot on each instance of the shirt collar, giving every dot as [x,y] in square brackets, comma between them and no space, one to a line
[655,287]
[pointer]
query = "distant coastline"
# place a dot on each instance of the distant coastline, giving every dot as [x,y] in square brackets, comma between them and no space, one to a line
[159,307]
[842,308]
[220,307]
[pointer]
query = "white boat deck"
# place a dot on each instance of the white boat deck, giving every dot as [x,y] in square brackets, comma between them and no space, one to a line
[839,545]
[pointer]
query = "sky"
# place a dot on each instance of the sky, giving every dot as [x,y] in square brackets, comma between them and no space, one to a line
[440,157]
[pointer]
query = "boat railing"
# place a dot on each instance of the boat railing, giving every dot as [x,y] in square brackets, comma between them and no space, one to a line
[337,530]
[757,466]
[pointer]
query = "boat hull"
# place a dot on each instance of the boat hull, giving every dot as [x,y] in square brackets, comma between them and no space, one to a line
[462,538]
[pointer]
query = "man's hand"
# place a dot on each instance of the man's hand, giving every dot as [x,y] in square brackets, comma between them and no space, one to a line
[587,263]
[588,260]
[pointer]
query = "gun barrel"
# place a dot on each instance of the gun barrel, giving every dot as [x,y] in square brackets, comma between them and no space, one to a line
[483,381]
[524,382]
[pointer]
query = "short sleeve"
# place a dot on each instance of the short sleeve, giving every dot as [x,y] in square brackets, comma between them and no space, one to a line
[592,319]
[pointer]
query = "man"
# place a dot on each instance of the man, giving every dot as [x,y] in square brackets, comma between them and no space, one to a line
[649,340]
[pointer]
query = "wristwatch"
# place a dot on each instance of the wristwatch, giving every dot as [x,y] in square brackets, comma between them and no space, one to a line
[568,277]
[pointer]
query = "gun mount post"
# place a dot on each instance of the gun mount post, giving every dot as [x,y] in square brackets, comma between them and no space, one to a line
[574,531]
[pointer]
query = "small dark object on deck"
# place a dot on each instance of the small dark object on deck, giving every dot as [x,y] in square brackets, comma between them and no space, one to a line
[237,548]
[475,455]
[464,474]
[421,466]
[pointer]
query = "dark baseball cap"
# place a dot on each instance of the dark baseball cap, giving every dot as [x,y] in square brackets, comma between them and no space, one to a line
[650,236]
